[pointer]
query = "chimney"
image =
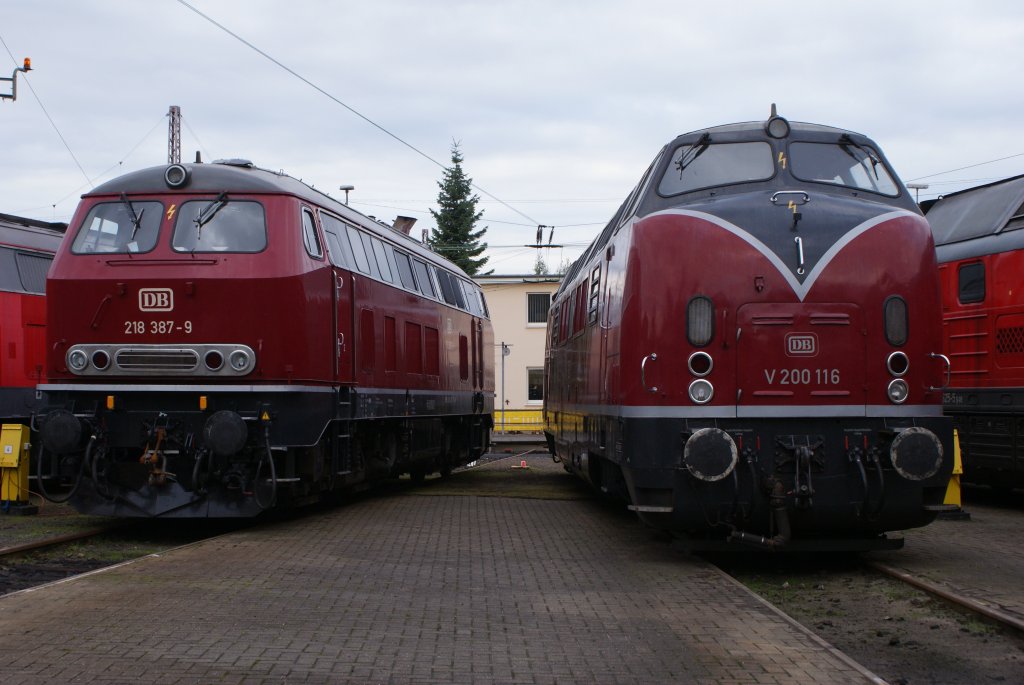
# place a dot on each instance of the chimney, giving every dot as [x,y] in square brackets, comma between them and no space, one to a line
[403,224]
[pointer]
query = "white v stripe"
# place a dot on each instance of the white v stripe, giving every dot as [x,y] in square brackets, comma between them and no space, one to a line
[801,289]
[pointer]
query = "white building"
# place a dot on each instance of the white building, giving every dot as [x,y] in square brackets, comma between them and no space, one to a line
[519,314]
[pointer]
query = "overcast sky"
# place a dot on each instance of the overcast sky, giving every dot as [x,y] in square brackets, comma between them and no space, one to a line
[559,105]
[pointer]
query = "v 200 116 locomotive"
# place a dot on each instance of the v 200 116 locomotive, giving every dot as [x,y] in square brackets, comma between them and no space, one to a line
[980,249]
[224,338]
[750,349]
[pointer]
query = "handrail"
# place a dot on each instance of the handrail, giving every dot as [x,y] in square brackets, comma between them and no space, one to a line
[643,379]
[949,367]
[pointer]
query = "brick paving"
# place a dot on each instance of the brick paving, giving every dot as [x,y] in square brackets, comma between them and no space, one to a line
[981,558]
[403,588]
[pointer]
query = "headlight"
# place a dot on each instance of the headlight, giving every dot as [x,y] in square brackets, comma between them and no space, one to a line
[700,364]
[213,360]
[897,363]
[898,391]
[100,359]
[239,360]
[77,360]
[176,175]
[701,391]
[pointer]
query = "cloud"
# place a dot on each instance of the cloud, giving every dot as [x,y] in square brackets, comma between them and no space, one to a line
[553,102]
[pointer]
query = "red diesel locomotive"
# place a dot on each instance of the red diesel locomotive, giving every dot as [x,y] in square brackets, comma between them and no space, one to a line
[224,338]
[750,349]
[981,255]
[26,250]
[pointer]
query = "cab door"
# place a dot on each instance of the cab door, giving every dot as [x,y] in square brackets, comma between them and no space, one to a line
[343,299]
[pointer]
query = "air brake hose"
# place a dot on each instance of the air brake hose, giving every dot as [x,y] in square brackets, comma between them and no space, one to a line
[78,478]
[273,475]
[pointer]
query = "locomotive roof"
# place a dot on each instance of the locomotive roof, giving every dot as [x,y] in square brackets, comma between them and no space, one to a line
[757,127]
[30,233]
[977,212]
[242,176]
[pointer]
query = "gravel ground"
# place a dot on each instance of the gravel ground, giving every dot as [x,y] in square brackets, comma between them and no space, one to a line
[900,633]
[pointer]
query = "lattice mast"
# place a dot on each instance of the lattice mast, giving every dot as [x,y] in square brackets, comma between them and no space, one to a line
[174,135]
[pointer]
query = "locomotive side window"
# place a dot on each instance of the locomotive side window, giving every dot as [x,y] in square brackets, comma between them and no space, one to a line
[472,302]
[423,279]
[703,165]
[32,270]
[362,263]
[971,283]
[338,248]
[371,258]
[843,164]
[119,227]
[9,281]
[595,294]
[23,271]
[405,270]
[221,225]
[447,287]
[382,260]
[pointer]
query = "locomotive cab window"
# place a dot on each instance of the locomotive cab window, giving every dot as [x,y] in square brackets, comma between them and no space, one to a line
[119,227]
[220,225]
[971,283]
[703,165]
[843,164]
[309,236]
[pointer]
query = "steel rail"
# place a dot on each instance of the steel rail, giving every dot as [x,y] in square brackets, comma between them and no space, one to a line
[975,606]
[53,542]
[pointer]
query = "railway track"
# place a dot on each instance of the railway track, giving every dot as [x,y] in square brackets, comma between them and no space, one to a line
[899,625]
[44,559]
[56,541]
[1001,617]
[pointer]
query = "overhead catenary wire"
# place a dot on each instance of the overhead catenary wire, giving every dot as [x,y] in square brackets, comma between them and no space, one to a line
[969,166]
[334,99]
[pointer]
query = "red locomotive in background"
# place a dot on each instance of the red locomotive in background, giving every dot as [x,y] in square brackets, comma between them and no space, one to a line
[750,350]
[223,338]
[26,250]
[981,255]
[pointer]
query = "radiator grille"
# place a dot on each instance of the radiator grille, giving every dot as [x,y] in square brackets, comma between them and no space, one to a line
[1010,340]
[157,360]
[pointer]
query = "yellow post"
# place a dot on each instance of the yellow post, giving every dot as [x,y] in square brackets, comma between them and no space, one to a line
[14,448]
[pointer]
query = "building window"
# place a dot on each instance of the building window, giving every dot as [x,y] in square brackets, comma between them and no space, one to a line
[537,305]
[535,385]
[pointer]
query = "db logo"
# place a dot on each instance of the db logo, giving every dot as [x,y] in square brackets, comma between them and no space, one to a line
[802,345]
[156,299]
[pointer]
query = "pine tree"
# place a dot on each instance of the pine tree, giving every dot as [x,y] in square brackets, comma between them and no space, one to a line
[540,267]
[455,237]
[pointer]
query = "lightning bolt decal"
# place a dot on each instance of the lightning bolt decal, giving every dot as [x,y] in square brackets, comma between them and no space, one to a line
[173,208]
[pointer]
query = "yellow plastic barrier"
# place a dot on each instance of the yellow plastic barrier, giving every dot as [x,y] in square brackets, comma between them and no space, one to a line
[953,489]
[519,421]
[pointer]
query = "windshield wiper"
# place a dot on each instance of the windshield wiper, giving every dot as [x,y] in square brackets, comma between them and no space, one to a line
[136,218]
[209,212]
[845,141]
[697,149]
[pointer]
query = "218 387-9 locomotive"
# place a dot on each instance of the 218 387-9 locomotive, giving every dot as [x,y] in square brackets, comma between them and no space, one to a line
[223,339]
[751,349]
